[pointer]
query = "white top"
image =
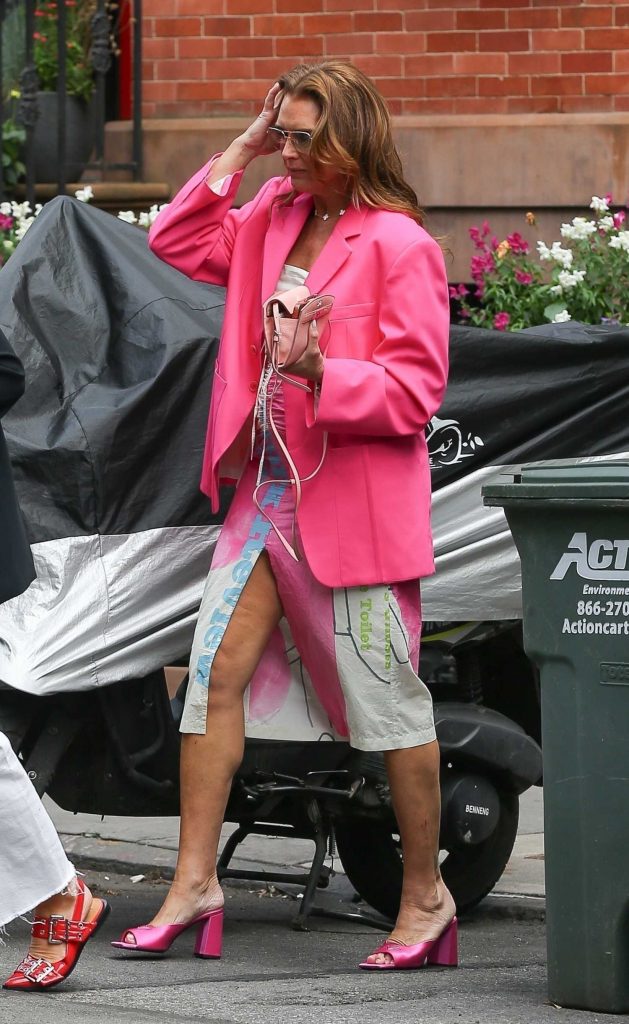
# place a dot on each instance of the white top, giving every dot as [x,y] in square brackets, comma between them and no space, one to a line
[291,277]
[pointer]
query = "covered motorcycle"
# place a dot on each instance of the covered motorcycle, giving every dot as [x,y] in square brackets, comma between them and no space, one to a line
[106,447]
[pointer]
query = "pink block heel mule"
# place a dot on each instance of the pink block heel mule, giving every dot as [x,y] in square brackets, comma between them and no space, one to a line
[149,938]
[442,951]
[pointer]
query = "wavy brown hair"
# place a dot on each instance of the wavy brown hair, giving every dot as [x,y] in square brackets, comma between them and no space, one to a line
[353,134]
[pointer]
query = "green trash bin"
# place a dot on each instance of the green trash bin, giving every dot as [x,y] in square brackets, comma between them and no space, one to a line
[570,524]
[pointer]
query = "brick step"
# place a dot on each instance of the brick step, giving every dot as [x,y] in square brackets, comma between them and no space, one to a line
[109,195]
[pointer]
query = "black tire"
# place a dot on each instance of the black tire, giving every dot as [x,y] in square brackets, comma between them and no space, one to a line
[371,856]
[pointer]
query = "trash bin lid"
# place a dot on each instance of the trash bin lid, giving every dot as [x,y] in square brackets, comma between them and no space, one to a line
[550,481]
[577,473]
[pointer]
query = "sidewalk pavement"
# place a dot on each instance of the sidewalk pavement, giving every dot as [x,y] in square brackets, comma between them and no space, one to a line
[147,846]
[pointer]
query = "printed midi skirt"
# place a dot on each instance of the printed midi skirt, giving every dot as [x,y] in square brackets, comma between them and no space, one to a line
[343,661]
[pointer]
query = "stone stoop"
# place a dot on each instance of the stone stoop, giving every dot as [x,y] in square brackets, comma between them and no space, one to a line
[112,196]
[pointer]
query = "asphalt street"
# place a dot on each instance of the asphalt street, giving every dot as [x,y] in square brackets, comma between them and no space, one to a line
[270,972]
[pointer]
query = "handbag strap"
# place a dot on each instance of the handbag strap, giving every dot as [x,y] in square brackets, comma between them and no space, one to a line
[294,479]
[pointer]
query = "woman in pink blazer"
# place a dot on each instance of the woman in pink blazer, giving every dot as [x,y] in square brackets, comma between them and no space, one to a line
[330,526]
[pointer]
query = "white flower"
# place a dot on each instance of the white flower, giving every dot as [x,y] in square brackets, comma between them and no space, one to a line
[23,227]
[561,317]
[556,253]
[599,205]
[606,223]
[556,290]
[84,194]
[578,229]
[568,280]
[155,210]
[21,210]
[5,209]
[620,241]
[146,219]
[128,216]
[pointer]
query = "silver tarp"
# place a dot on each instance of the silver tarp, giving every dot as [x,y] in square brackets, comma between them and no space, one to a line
[106,447]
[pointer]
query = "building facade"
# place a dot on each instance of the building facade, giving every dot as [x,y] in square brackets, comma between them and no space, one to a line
[501,106]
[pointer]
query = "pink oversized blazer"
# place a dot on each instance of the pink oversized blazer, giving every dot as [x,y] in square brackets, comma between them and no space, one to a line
[365,517]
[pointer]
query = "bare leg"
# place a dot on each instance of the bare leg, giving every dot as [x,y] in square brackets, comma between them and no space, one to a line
[426,906]
[208,762]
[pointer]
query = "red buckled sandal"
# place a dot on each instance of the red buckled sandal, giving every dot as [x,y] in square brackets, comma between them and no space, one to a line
[73,933]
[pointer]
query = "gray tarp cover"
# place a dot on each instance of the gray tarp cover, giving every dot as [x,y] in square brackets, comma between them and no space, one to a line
[107,443]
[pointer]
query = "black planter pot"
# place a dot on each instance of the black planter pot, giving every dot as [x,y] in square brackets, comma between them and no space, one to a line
[79,137]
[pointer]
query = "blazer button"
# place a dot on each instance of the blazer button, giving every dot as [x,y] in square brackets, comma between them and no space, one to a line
[253,386]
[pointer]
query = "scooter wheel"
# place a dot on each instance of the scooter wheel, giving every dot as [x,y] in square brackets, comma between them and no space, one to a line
[371,855]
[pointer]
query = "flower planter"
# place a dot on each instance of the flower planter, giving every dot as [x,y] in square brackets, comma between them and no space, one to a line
[79,137]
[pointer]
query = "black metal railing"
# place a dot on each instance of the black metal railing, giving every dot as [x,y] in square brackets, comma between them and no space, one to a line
[23,102]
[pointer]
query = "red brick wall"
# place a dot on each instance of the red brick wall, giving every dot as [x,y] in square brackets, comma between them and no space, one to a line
[427,56]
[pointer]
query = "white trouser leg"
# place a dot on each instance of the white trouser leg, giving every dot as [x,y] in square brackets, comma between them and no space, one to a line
[33,865]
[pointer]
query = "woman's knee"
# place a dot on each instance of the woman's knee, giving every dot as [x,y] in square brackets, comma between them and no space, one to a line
[226,687]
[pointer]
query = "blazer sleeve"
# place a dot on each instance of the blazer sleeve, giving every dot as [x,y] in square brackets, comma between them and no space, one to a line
[401,387]
[11,376]
[196,231]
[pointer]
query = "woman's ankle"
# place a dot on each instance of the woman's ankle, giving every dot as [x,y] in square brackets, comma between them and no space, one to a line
[433,897]
[193,883]
[188,897]
[61,904]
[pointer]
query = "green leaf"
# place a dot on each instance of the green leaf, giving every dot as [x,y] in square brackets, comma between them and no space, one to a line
[550,312]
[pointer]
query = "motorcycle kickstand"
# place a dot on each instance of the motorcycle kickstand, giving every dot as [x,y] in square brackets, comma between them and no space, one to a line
[322,835]
[325,843]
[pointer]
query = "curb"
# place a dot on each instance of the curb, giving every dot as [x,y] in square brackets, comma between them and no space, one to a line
[512,906]
[119,857]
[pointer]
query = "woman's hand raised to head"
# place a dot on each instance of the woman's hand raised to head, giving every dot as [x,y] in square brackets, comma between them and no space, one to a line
[252,143]
[255,139]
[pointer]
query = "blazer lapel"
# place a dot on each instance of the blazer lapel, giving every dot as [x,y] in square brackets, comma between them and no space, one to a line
[336,250]
[284,229]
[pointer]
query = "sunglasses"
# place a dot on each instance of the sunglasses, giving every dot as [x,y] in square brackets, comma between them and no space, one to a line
[299,139]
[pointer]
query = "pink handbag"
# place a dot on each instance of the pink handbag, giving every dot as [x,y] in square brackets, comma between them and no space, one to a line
[287,319]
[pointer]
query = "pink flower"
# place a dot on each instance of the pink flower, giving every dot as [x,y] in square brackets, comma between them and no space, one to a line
[477,238]
[481,265]
[522,277]
[619,218]
[517,243]
[608,198]
[458,291]
[502,321]
[6,223]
